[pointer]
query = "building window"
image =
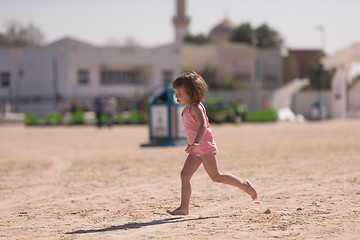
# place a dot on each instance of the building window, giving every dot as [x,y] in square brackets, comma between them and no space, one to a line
[83,77]
[119,77]
[167,76]
[270,79]
[241,77]
[5,79]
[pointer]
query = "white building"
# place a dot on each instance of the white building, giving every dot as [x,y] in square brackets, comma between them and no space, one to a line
[41,79]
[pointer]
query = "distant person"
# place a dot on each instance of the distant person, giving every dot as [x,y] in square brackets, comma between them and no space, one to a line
[190,90]
[98,109]
[266,103]
[111,107]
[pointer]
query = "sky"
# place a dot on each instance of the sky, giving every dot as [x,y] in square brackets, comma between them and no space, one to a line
[149,22]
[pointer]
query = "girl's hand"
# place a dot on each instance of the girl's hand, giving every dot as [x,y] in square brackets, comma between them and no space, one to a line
[191,147]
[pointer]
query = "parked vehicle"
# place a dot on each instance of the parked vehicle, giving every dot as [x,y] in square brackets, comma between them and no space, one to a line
[223,110]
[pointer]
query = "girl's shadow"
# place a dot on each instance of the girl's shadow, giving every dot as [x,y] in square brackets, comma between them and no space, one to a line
[140,225]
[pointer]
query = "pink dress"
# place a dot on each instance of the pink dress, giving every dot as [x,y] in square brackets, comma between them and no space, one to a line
[191,126]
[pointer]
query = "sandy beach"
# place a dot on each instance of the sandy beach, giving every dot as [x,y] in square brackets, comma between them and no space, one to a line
[84,183]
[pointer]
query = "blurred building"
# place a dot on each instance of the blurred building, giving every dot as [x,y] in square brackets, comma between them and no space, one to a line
[49,78]
[234,65]
[301,63]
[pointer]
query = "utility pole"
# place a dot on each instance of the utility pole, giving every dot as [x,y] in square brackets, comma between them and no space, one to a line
[322,47]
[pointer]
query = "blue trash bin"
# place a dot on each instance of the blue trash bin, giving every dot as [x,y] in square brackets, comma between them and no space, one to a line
[165,123]
[318,111]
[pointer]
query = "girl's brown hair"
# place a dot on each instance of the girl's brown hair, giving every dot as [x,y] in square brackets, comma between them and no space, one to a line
[194,85]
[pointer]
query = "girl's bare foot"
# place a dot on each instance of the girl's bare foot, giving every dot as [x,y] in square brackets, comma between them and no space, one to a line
[250,190]
[178,211]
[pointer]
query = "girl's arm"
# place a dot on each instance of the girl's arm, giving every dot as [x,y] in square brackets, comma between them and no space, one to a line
[197,111]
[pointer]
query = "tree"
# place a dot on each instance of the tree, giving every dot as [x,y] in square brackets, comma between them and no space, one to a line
[196,39]
[319,78]
[261,37]
[244,33]
[267,37]
[17,35]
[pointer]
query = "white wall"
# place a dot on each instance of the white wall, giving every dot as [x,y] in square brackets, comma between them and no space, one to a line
[37,76]
[354,100]
[198,57]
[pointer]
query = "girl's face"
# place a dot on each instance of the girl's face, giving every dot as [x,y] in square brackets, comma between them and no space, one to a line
[182,97]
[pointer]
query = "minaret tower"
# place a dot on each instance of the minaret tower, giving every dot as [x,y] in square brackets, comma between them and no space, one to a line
[181,21]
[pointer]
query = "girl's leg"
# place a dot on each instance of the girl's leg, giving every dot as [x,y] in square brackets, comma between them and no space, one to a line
[211,167]
[192,163]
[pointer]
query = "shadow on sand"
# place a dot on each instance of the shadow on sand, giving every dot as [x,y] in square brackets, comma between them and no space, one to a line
[140,225]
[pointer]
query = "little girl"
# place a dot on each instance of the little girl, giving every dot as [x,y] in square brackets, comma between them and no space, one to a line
[190,89]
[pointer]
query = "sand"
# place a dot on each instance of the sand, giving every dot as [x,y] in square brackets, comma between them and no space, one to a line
[85,183]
